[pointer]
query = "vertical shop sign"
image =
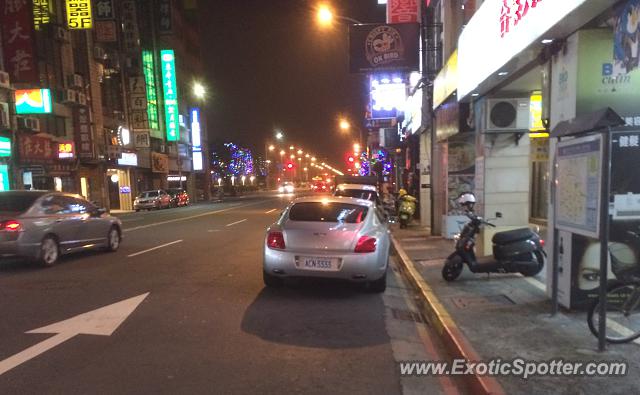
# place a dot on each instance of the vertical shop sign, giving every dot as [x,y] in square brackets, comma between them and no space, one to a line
[84,139]
[148,68]
[403,11]
[16,28]
[170,89]
[79,14]
[165,24]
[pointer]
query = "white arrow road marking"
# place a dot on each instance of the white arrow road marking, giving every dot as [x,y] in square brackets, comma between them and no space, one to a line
[100,322]
[270,211]
[237,222]
[153,248]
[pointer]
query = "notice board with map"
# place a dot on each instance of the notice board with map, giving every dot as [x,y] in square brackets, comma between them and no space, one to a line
[579,176]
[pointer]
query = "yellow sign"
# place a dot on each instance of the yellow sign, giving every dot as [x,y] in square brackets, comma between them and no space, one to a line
[535,113]
[447,81]
[79,14]
[41,13]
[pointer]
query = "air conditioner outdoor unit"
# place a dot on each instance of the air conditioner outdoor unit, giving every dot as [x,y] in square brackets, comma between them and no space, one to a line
[4,80]
[505,115]
[81,99]
[29,123]
[62,34]
[69,96]
[75,81]
[33,124]
[99,53]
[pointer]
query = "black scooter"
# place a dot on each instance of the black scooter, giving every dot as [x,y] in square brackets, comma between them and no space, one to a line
[514,251]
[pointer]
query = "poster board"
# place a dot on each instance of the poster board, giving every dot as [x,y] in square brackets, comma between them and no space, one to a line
[579,176]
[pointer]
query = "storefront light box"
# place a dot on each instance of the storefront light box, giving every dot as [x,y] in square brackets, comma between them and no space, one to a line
[388,93]
[33,101]
[128,159]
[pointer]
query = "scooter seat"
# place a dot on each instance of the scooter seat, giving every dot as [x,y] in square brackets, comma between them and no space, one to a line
[511,236]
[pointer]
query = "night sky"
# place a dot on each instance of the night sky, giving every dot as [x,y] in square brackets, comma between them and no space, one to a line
[270,66]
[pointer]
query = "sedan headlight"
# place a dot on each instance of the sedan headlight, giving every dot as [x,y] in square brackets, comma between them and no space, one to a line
[281,189]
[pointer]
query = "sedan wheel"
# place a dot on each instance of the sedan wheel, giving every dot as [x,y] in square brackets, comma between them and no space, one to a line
[113,240]
[49,251]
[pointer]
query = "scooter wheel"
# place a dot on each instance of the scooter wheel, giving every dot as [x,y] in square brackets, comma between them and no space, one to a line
[536,267]
[452,268]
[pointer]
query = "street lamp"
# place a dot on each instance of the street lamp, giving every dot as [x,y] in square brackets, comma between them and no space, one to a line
[325,16]
[279,135]
[272,147]
[199,90]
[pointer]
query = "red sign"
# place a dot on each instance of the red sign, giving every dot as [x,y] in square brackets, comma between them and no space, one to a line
[66,150]
[403,11]
[106,31]
[84,138]
[16,27]
[513,11]
[36,149]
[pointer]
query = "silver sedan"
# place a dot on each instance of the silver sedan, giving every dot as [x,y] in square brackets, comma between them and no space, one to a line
[41,225]
[332,237]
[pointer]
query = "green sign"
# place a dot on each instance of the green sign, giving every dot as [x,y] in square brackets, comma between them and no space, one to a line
[170,89]
[4,178]
[5,147]
[33,101]
[149,69]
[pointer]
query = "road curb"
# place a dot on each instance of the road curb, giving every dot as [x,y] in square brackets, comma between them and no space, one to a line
[454,340]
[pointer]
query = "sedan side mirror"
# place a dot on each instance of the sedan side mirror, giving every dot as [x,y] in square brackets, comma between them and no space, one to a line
[498,214]
[99,212]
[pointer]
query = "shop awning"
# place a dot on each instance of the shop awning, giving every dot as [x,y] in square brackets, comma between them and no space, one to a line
[598,120]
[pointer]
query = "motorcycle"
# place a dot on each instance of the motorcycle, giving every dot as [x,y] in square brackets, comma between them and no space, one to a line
[406,210]
[514,251]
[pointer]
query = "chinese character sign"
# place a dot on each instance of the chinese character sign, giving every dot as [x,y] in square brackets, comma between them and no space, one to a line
[79,14]
[164,16]
[513,11]
[170,89]
[104,10]
[148,68]
[16,29]
[403,11]
[41,13]
[36,149]
[84,138]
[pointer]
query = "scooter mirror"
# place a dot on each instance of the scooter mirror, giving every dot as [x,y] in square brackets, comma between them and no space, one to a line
[498,214]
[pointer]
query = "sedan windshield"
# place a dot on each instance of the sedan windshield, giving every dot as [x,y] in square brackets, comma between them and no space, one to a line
[149,194]
[328,212]
[358,194]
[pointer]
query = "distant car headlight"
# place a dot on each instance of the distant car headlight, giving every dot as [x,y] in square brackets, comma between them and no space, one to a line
[281,189]
[289,189]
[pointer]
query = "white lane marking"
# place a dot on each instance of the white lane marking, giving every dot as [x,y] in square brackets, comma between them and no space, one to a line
[214,230]
[100,322]
[237,222]
[192,216]
[270,211]
[154,248]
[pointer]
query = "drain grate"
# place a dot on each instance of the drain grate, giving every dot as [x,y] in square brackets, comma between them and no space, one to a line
[406,315]
[491,300]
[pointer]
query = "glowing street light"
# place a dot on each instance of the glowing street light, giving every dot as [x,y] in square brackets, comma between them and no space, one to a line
[292,147]
[282,152]
[199,90]
[324,15]
[272,147]
[300,152]
[345,125]
[279,135]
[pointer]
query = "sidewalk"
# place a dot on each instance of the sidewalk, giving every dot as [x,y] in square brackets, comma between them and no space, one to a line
[507,316]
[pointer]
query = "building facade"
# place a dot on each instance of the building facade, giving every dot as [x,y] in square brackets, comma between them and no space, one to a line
[84,100]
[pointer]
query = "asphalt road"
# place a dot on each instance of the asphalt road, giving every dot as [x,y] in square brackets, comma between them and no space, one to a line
[207,325]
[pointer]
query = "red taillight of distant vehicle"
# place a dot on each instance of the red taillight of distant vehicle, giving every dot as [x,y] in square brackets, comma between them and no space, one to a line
[275,240]
[542,243]
[366,244]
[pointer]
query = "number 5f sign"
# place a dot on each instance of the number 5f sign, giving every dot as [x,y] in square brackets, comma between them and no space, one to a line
[79,14]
